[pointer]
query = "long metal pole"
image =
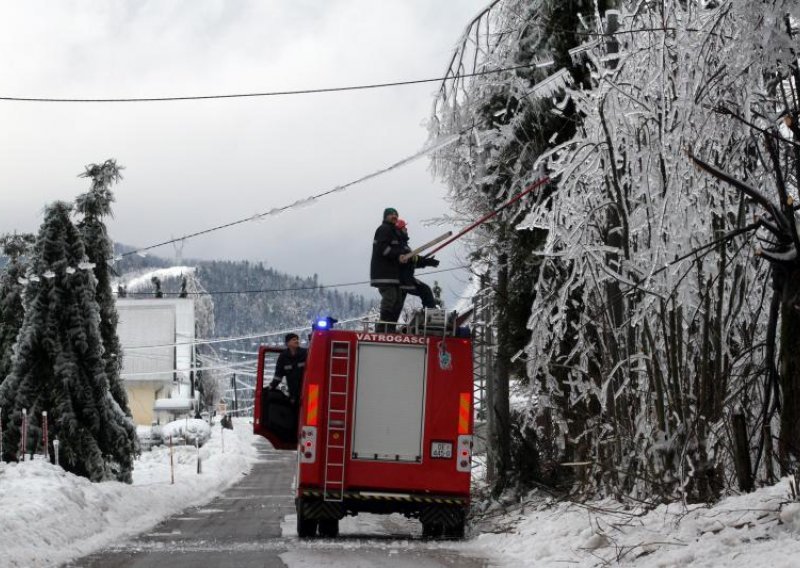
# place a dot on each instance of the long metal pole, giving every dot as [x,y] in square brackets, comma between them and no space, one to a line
[482,220]
[427,245]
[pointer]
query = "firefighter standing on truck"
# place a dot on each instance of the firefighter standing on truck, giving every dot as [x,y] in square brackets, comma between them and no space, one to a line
[384,269]
[290,366]
[408,283]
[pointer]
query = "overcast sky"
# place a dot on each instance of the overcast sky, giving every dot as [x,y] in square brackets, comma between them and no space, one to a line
[191,165]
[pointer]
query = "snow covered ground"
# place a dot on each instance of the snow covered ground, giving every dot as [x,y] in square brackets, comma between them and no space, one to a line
[48,516]
[747,531]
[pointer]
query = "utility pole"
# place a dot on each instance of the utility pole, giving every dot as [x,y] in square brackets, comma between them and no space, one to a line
[235,396]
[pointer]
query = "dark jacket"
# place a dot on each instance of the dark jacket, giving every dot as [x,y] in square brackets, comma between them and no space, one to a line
[407,280]
[384,268]
[291,367]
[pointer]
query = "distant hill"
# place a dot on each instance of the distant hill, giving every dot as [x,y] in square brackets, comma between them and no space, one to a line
[241,314]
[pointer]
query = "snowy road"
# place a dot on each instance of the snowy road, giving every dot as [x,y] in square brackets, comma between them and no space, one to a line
[252,524]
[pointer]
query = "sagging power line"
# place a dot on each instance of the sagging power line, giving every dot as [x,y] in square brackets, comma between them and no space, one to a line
[274,333]
[438,145]
[316,91]
[276,290]
[548,85]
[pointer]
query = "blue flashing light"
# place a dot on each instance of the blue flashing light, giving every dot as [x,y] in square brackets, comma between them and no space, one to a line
[324,323]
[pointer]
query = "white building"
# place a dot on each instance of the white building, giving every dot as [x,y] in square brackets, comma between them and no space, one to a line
[157,337]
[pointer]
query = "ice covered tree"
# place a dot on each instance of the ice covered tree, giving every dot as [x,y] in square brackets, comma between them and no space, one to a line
[58,365]
[774,198]
[15,248]
[505,121]
[650,329]
[670,342]
[93,207]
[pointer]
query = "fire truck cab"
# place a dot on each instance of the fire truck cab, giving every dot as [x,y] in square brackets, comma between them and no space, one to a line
[384,425]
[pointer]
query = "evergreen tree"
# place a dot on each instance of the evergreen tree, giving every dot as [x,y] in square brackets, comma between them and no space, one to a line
[94,205]
[58,365]
[14,247]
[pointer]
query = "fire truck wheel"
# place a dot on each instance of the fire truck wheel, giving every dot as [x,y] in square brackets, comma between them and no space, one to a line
[329,528]
[306,528]
[457,530]
[432,530]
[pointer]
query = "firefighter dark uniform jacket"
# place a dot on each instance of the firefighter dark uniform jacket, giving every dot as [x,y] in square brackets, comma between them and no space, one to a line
[384,268]
[291,368]
[407,280]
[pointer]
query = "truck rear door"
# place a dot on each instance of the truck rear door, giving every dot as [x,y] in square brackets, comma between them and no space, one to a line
[388,417]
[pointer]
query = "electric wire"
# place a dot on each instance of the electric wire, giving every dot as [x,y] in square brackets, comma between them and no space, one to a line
[211,341]
[304,201]
[316,91]
[439,144]
[290,289]
[228,367]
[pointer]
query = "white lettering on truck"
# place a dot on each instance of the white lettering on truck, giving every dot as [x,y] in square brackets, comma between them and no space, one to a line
[383,338]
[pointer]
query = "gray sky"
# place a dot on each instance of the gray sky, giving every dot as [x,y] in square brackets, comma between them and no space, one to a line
[190,165]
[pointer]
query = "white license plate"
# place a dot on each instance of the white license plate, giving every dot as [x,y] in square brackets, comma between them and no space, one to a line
[442,450]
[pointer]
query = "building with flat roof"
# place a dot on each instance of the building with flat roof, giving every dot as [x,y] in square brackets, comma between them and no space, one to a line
[158,352]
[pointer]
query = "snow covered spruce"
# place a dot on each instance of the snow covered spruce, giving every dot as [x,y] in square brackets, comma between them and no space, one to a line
[58,364]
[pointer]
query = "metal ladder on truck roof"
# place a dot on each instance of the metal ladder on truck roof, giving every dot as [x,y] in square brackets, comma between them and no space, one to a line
[336,435]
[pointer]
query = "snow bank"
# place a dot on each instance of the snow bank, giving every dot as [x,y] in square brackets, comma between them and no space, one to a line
[759,529]
[48,516]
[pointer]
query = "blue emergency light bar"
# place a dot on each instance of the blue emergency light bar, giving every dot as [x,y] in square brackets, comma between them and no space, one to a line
[324,323]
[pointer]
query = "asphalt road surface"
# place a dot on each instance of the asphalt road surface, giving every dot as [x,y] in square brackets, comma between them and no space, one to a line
[252,525]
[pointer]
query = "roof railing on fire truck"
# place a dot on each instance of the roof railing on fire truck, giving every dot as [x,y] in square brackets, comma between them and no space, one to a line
[425,321]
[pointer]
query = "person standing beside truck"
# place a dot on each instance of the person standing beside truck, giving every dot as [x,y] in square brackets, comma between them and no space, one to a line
[290,366]
[384,269]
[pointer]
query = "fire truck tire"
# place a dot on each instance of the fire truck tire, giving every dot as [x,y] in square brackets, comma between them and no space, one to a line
[306,528]
[457,530]
[329,528]
[432,530]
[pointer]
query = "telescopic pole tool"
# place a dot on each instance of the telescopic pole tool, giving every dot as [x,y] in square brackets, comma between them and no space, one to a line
[429,244]
[482,220]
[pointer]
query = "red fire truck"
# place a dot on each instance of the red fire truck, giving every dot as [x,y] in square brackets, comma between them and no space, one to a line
[384,425]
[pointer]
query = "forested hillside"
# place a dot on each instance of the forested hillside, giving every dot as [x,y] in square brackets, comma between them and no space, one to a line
[272,300]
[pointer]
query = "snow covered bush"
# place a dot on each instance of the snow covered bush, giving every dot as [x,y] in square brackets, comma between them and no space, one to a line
[148,437]
[191,430]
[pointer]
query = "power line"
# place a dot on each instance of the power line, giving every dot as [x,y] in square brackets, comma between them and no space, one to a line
[232,367]
[275,290]
[306,200]
[316,91]
[230,339]
[547,85]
